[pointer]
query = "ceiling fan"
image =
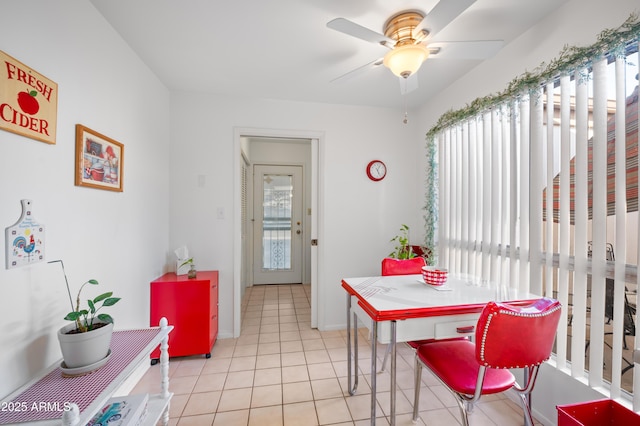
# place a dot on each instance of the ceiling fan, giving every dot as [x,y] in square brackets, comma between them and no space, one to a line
[410,36]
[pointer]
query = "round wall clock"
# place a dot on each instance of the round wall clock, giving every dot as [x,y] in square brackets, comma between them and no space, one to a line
[376,170]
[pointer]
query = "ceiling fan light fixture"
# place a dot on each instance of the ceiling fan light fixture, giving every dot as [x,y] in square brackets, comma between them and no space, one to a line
[405,60]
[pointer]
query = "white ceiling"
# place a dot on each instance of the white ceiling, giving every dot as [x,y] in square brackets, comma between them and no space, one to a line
[282,49]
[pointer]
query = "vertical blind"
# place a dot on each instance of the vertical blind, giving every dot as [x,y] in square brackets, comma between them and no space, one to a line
[539,192]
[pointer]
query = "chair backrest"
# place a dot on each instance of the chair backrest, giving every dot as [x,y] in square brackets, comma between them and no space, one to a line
[392,266]
[512,336]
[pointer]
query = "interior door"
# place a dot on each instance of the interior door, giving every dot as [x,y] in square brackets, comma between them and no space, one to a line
[278,224]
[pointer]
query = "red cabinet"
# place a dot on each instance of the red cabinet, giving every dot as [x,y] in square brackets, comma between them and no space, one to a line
[191,307]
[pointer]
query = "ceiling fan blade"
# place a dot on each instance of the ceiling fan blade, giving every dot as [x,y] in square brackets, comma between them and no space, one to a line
[351,28]
[465,49]
[441,15]
[408,84]
[358,71]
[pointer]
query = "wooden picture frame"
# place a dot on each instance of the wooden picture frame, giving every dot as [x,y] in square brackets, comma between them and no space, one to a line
[99,160]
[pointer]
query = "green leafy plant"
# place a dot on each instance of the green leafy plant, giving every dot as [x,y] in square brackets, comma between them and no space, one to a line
[402,249]
[85,318]
[189,261]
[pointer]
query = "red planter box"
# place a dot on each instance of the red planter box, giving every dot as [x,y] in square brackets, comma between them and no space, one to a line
[596,413]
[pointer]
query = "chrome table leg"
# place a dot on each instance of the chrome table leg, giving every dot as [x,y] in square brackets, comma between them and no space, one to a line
[374,341]
[393,373]
[352,390]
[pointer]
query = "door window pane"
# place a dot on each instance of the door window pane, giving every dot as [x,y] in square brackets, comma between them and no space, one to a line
[276,233]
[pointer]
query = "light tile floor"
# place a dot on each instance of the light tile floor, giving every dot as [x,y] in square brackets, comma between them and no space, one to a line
[280,371]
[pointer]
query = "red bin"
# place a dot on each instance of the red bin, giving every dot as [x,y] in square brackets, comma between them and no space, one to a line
[596,413]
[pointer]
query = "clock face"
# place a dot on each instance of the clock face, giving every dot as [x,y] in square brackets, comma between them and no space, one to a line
[376,170]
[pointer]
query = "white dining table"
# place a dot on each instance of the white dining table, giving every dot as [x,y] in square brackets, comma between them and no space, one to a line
[402,308]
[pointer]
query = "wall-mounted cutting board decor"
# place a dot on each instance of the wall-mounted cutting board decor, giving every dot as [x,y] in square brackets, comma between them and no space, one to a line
[24,239]
[28,101]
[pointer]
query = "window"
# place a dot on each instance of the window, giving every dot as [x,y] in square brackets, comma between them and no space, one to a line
[531,193]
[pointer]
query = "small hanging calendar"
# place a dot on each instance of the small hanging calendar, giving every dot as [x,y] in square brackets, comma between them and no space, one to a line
[24,239]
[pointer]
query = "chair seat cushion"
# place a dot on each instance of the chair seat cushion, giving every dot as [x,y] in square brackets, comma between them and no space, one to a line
[415,344]
[454,362]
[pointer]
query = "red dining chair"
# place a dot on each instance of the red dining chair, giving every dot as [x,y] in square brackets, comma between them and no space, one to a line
[507,336]
[392,266]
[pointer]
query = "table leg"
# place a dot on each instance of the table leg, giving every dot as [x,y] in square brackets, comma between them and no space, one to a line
[374,369]
[164,371]
[355,352]
[393,373]
[352,390]
[71,415]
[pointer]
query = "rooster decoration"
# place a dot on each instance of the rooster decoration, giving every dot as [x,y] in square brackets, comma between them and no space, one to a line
[24,240]
[20,243]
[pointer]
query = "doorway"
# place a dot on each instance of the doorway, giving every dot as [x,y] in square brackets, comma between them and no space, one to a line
[312,212]
[277,222]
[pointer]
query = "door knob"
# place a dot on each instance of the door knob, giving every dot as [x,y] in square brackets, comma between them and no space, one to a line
[298,232]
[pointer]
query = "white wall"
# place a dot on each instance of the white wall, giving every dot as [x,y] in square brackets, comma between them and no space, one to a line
[360,216]
[121,239]
[576,23]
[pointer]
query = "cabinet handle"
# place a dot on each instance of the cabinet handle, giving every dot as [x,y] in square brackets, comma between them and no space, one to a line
[465,330]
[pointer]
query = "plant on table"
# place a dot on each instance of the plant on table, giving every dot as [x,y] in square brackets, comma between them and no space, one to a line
[85,318]
[402,249]
[189,261]
[192,269]
[85,343]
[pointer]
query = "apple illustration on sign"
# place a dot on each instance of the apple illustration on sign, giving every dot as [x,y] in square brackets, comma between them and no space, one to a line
[28,102]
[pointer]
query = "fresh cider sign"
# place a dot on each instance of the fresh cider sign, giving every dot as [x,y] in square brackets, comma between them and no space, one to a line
[28,101]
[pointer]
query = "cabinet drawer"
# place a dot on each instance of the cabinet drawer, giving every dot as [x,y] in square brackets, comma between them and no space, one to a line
[435,327]
[445,330]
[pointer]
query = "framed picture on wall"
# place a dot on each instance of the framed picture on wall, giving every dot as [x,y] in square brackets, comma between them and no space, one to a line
[99,160]
[28,101]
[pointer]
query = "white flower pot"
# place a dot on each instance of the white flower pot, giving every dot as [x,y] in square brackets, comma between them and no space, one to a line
[83,349]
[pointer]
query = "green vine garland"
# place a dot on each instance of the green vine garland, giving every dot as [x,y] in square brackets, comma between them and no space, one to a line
[431,206]
[569,59]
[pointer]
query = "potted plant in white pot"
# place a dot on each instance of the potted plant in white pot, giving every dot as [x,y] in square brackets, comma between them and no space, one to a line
[86,341]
